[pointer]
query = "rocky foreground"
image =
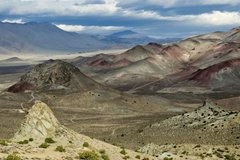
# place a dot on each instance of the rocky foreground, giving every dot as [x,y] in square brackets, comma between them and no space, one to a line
[30,141]
[42,137]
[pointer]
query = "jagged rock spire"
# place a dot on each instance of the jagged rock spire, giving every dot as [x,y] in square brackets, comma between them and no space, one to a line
[40,122]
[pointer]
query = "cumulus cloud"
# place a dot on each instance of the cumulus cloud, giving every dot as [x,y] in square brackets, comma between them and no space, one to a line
[105,8]
[92,29]
[215,18]
[73,8]
[13,21]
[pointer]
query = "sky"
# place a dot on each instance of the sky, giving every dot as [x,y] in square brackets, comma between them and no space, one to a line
[153,18]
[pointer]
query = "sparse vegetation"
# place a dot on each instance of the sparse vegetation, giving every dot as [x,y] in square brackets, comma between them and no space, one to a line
[138,157]
[140,130]
[197,146]
[2,142]
[30,139]
[123,152]
[219,155]
[90,137]
[88,155]
[122,147]
[138,151]
[102,151]
[228,157]
[23,142]
[44,145]
[60,149]
[115,144]
[49,140]
[85,144]
[13,156]
[126,157]
[219,150]
[105,157]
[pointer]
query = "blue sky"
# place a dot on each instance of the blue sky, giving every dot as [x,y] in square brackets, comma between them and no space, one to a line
[154,18]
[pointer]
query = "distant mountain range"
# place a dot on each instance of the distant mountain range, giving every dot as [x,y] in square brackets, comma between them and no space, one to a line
[45,38]
[128,34]
[200,63]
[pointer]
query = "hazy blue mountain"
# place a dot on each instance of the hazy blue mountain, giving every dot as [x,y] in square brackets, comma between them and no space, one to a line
[45,38]
[128,34]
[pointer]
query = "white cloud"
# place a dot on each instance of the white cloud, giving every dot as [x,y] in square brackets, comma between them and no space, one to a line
[58,7]
[215,18]
[111,8]
[13,21]
[92,29]
[181,3]
[71,28]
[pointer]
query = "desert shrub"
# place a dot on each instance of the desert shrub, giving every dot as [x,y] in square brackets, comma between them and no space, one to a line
[202,156]
[44,145]
[184,152]
[228,157]
[197,146]
[9,141]
[138,157]
[88,155]
[13,156]
[49,140]
[209,154]
[115,144]
[102,151]
[30,139]
[219,150]
[23,142]
[60,149]
[126,157]
[90,137]
[70,141]
[122,147]
[219,155]
[2,142]
[138,151]
[85,144]
[123,152]
[140,130]
[166,158]
[105,157]
[145,158]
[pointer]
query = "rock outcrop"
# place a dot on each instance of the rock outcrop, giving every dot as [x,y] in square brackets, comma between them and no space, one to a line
[40,122]
[53,75]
